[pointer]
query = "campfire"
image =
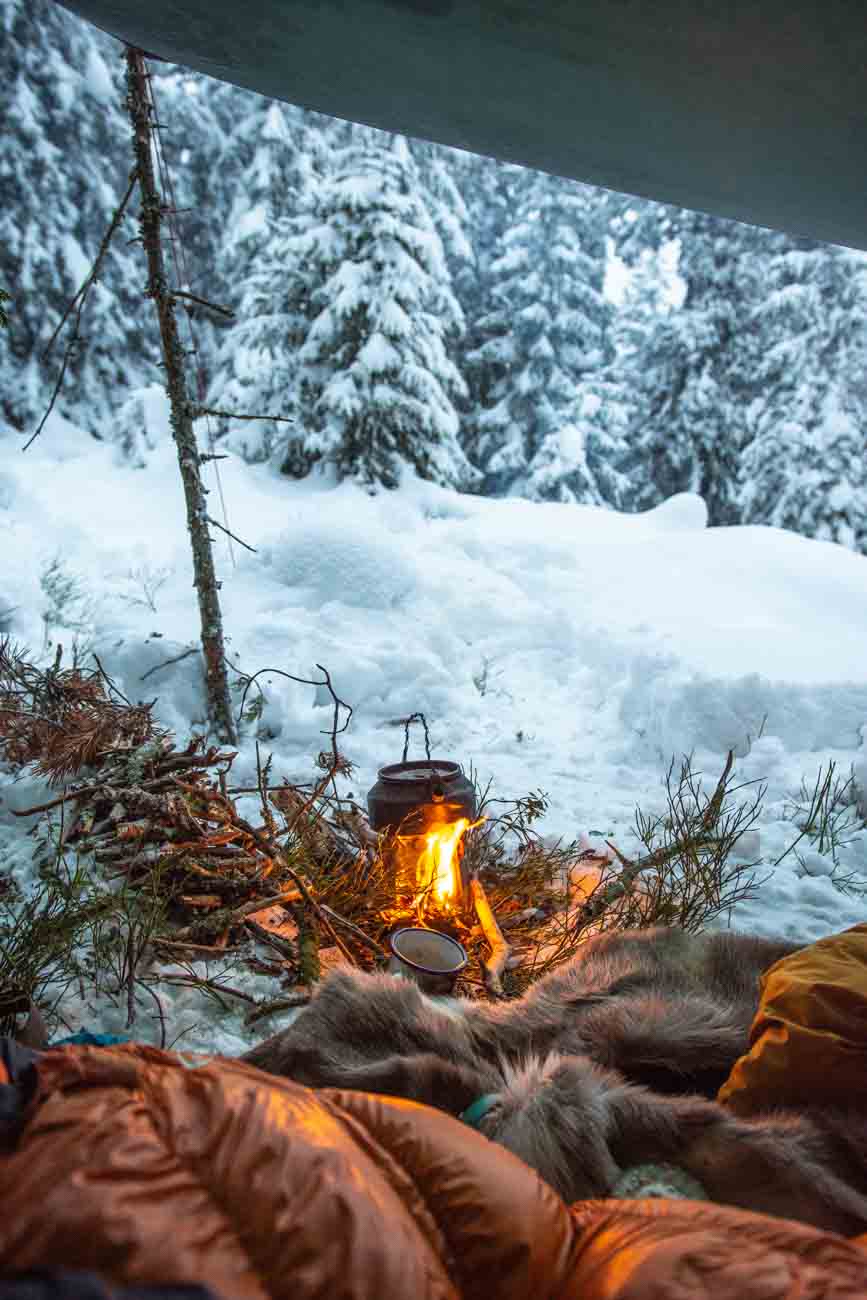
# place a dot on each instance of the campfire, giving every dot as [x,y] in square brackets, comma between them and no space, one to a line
[311,882]
[429,864]
[439,863]
[424,809]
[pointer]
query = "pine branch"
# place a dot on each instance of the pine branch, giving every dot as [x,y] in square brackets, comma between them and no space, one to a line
[81,299]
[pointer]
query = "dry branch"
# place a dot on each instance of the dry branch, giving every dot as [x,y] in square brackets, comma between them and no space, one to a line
[205,581]
[176,659]
[234,536]
[363,938]
[198,411]
[78,304]
[297,998]
[202,302]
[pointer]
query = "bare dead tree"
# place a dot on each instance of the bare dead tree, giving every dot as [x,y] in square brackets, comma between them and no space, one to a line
[204,579]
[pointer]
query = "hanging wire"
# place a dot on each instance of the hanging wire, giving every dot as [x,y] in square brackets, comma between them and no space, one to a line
[182,276]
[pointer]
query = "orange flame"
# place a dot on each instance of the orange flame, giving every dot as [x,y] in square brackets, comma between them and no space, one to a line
[427,862]
[438,859]
[437,865]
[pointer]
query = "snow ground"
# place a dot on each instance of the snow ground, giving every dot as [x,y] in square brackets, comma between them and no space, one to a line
[553,647]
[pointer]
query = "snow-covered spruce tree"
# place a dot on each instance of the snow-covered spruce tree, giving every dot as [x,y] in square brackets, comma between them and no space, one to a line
[438,170]
[693,376]
[545,430]
[268,206]
[652,367]
[377,384]
[198,114]
[491,192]
[64,166]
[584,462]
[805,467]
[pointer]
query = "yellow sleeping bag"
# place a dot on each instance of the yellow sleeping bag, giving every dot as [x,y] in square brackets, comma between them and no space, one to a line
[808,1042]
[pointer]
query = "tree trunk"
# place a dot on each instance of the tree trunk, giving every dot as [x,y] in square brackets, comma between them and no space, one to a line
[204,578]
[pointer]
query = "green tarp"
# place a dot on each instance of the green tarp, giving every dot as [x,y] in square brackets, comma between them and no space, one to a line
[752,109]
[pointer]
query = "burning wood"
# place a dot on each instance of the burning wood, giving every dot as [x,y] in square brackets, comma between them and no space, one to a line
[500,950]
[428,876]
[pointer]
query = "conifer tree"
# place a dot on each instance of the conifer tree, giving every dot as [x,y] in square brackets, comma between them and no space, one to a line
[692,377]
[438,171]
[546,343]
[64,166]
[255,367]
[377,383]
[491,192]
[805,468]
[198,114]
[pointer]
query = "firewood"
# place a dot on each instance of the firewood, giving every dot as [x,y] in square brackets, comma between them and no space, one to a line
[500,950]
[363,938]
[274,939]
[205,901]
[203,950]
[297,998]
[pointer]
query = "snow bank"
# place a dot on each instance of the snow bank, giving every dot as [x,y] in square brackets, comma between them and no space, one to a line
[552,646]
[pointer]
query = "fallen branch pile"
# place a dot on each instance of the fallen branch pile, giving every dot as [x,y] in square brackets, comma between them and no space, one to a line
[162,822]
[187,880]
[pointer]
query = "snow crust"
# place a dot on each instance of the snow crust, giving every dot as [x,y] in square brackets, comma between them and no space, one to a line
[552,646]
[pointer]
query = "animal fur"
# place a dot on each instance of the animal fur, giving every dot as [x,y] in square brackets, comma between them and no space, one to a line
[573,1063]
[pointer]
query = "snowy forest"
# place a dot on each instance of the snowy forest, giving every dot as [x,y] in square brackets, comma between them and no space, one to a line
[461,660]
[495,329]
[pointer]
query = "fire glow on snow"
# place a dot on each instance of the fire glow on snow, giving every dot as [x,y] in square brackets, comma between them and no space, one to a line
[553,647]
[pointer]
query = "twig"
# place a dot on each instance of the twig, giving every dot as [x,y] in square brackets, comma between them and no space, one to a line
[500,950]
[110,683]
[354,929]
[203,302]
[308,947]
[68,824]
[53,803]
[132,959]
[208,952]
[193,650]
[333,765]
[712,812]
[295,999]
[259,904]
[58,384]
[193,981]
[275,941]
[303,681]
[236,415]
[229,533]
[80,299]
[161,1012]
[94,270]
[262,775]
